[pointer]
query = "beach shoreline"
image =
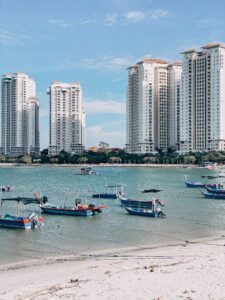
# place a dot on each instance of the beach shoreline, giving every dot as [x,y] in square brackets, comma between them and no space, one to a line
[9,165]
[166,271]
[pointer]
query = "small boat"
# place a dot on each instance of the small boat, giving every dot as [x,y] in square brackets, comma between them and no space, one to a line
[217,190]
[30,222]
[145,212]
[139,203]
[86,171]
[213,195]
[77,210]
[118,191]
[196,184]
[6,188]
[210,176]
[151,191]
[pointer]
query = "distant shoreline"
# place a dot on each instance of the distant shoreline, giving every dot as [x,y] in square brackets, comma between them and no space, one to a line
[102,165]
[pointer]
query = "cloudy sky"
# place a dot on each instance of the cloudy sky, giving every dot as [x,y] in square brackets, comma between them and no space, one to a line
[93,42]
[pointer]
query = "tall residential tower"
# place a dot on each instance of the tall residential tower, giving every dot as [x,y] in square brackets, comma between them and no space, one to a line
[153,96]
[19,115]
[203,99]
[67,118]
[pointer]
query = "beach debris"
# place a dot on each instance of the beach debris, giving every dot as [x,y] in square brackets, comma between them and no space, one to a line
[108,273]
[151,268]
[74,280]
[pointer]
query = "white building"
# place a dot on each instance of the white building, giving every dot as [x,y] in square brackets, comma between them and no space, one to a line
[152,85]
[67,118]
[19,115]
[174,90]
[203,99]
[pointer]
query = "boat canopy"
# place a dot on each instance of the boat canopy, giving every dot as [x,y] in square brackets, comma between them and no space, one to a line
[26,201]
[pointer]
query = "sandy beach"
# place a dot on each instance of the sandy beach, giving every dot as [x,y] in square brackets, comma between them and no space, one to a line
[189,270]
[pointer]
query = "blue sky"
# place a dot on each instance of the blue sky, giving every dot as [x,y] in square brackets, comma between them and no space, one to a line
[93,42]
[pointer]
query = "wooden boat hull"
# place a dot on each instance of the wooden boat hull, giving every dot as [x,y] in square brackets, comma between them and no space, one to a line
[144,212]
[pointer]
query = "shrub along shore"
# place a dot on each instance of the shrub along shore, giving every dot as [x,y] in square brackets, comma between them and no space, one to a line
[120,158]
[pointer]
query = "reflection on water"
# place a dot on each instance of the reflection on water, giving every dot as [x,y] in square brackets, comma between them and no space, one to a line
[188,214]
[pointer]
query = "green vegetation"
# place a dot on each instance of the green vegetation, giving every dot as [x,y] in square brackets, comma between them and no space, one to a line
[121,157]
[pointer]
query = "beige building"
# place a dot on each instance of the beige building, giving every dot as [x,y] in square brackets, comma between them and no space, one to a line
[67,118]
[152,104]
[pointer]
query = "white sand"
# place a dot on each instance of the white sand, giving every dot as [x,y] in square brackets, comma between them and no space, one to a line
[186,271]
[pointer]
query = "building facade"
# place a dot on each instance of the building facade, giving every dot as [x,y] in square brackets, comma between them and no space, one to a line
[203,99]
[67,118]
[153,96]
[19,115]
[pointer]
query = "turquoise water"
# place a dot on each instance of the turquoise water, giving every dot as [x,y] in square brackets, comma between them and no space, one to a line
[188,214]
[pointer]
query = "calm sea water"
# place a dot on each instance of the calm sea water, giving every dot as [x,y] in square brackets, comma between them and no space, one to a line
[188,214]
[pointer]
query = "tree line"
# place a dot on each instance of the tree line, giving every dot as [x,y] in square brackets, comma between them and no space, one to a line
[121,157]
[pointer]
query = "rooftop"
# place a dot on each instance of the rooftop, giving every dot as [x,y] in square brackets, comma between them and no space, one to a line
[213,45]
[191,50]
[153,60]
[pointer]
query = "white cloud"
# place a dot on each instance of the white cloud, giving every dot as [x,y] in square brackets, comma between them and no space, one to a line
[157,14]
[95,134]
[60,23]
[107,62]
[208,23]
[111,19]
[103,107]
[11,38]
[137,16]
[85,22]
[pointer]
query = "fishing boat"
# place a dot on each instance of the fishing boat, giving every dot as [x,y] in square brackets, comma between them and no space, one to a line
[213,195]
[147,204]
[198,184]
[217,190]
[86,171]
[77,210]
[30,222]
[145,212]
[191,184]
[117,191]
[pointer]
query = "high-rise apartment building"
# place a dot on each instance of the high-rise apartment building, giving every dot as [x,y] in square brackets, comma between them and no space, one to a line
[19,115]
[152,104]
[67,118]
[203,99]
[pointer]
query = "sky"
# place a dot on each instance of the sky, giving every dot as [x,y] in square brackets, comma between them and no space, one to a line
[93,42]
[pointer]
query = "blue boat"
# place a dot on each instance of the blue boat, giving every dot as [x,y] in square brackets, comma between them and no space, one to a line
[81,210]
[147,204]
[213,195]
[192,184]
[32,221]
[216,190]
[145,212]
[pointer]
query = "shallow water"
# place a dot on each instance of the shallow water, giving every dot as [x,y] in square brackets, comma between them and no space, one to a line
[188,214]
